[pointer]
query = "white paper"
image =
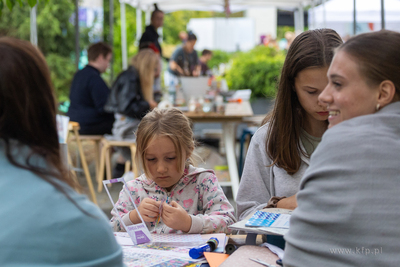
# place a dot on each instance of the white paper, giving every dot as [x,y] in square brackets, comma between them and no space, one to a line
[242,94]
[62,128]
[274,249]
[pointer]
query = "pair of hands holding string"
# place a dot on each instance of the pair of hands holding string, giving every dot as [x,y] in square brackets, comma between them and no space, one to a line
[173,215]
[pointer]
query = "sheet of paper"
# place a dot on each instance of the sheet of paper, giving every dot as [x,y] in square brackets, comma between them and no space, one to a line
[164,239]
[269,219]
[215,259]
[62,128]
[241,225]
[277,250]
[134,256]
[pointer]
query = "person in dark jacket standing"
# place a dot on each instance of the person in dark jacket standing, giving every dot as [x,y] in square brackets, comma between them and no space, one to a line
[89,93]
[150,35]
[150,39]
[130,99]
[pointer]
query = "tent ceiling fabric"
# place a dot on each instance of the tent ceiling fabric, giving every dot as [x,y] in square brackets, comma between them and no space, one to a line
[213,5]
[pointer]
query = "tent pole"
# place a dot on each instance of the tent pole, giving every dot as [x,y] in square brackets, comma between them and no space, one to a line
[354,18]
[138,23]
[301,18]
[296,21]
[383,26]
[148,17]
[123,38]
[34,39]
[77,52]
[111,38]
[312,25]
[323,5]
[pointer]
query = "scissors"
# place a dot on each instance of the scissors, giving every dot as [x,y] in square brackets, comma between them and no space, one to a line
[262,262]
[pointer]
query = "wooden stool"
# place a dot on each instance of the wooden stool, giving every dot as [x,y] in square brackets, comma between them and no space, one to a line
[74,127]
[105,159]
[93,138]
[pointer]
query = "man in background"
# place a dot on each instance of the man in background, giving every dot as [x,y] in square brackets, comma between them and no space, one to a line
[89,93]
[184,61]
[206,56]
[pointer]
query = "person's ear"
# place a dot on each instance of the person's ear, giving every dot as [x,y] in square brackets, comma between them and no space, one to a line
[387,92]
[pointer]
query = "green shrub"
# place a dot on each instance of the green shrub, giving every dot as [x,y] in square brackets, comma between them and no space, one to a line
[218,58]
[257,70]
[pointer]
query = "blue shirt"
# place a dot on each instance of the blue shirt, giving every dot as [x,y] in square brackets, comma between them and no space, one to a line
[88,96]
[187,61]
[41,227]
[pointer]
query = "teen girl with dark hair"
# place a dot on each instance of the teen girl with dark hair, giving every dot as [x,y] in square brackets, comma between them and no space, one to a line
[280,150]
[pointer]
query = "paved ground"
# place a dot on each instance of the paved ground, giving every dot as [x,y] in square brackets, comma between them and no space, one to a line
[260,106]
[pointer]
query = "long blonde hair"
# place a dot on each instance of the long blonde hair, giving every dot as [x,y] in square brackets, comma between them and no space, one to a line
[145,63]
[170,122]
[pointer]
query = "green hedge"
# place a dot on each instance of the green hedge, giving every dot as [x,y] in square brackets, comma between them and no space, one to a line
[257,70]
[218,58]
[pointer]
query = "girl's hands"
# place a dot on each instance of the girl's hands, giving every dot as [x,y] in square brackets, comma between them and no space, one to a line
[175,217]
[287,203]
[148,208]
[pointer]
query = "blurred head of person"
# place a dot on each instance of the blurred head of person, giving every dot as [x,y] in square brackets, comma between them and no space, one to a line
[28,112]
[99,56]
[297,107]
[364,76]
[146,62]
[183,36]
[190,43]
[206,55]
[157,17]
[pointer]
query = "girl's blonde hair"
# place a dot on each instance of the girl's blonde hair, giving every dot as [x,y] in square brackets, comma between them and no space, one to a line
[145,63]
[170,122]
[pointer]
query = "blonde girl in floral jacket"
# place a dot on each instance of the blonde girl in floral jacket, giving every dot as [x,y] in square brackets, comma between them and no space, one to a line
[196,202]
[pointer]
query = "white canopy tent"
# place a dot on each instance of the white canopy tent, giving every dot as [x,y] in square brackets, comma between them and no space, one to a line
[350,17]
[200,5]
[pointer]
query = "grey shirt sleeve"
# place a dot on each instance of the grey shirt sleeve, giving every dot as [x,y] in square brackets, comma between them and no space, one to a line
[254,190]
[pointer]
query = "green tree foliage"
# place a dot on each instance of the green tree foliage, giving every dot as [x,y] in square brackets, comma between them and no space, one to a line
[56,37]
[11,3]
[130,14]
[257,70]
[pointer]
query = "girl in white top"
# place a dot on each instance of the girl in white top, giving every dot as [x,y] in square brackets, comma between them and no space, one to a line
[195,202]
[279,151]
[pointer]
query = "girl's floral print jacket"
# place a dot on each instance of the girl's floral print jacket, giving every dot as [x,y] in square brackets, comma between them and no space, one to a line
[198,192]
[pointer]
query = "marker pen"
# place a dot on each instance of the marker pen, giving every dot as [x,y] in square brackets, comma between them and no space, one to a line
[210,246]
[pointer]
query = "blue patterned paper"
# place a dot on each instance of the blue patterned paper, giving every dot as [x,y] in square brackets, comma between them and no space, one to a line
[262,219]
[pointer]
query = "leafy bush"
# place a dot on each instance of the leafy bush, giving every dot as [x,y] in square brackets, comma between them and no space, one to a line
[257,70]
[218,58]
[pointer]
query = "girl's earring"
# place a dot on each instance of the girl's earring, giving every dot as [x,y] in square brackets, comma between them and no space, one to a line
[378,106]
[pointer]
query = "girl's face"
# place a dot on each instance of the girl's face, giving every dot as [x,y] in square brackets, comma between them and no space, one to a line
[161,161]
[309,83]
[347,94]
